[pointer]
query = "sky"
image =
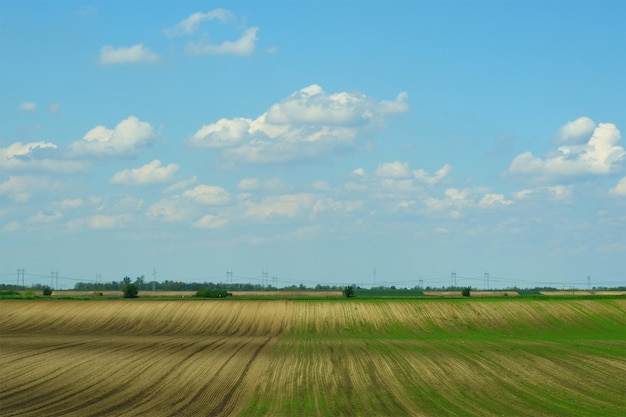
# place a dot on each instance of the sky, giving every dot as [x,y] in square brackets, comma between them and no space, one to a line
[319,142]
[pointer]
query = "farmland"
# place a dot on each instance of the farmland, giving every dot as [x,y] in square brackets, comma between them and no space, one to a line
[313,357]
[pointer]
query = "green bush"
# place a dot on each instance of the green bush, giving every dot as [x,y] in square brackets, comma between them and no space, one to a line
[348,291]
[131,291]
[205,293]
[46,290]
[465,292]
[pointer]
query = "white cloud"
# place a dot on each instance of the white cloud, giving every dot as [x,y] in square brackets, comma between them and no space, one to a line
[307,124]
[251,184]
[69,203]
[329,204]
[286,205]
[321,186]
[151,173]
[127,55]
[394,169]
[560,192]
[245,45]
[223,133]
[28,106]
[107,222]
[210,222]
[49,216]
[422,176]
[359,172]
[207,195]
[54,107]
[171,210]
[21,188]
[522,194]
[190,24]
[601,155]
[553,192]
[457,201]
[22,156]
[181,185]
[127,138]
[576,131]
[12,227]
[493,200]
[248,184]
[620,188]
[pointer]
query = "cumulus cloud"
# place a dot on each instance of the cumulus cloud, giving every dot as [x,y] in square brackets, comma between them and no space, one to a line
[151,173]
[171,210]
[455,201]
[330,204]
[181,185]
[210,222]
[620,188]
[204,45]
[127,55]
[422,176]
[251,184]
[207,195]
[69,203]
[553,192]
[395,169]
[493,200]
[307,124]
[245,45]
[21,188]
[48,216]
[107,222]
[12,227]
[286,205]
[190,24]
[25,156]
[28,106]
[600,155]
[576,130]
[127,138]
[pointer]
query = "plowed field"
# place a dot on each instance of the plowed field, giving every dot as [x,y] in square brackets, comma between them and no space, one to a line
[313,358]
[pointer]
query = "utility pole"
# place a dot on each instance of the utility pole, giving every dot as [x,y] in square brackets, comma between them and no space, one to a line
[588,282]
[374,273]
[153,279]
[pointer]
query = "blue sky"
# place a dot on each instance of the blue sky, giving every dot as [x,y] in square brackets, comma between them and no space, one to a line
[316,141]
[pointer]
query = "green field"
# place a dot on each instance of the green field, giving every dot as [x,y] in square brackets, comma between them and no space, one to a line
[317,357]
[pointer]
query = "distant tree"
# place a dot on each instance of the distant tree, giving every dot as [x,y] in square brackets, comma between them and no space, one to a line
[46,290]
[348,291]
[207,293]
[139,281]
[131,291]
[465,292]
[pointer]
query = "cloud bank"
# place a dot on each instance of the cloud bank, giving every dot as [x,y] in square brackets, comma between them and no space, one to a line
[303,126]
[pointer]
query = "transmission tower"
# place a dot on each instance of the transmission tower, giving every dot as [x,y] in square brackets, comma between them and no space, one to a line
[264,276]
[486,280]
[229,278]
[453,279]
